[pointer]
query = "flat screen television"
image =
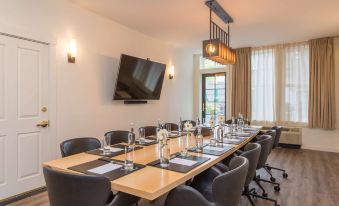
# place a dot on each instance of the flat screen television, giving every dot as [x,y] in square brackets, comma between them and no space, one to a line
[139,79]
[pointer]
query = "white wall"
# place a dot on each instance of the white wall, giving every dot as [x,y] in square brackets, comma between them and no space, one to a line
[85,89]
[326,140]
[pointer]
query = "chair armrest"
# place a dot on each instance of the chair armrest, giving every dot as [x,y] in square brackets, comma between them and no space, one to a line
[184,195]
[123,199]
[222,167]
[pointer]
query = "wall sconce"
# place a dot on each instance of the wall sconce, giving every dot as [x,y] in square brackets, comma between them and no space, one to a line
[171,72]
[72,51]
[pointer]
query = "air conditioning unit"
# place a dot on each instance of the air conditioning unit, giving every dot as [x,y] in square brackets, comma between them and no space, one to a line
[290,137]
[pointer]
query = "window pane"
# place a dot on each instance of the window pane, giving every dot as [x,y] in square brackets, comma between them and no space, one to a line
[263,84]
[210,108]
[210,82]
[296,81]
[210,95]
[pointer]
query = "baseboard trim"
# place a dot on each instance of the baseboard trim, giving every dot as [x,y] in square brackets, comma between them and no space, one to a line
[324,149]
[290,146]
[21,196]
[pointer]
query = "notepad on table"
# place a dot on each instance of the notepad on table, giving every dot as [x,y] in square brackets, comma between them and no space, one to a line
[105,168]
[219,149]
[181,161]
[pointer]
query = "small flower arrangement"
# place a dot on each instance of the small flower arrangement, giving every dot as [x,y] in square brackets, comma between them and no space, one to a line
[221,119]
[188,126]
[212,123]
[162,135]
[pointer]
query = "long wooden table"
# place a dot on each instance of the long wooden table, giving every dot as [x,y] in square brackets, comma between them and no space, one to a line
[149,182]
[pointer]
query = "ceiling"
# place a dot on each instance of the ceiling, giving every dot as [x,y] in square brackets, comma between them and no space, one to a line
[185,23]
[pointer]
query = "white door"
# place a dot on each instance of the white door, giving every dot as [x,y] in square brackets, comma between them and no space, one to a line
[24,87]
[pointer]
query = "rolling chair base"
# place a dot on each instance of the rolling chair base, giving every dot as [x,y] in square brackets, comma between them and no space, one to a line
[268,169]
[249,193]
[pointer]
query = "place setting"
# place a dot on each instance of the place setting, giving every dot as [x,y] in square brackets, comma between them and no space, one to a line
[182,161]
[109,150]
[110,168]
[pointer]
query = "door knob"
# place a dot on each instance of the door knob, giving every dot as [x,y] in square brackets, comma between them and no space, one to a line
[44,123]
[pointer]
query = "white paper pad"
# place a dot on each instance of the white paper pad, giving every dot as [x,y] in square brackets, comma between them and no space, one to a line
[232,140]
[181,161]
[243,134]
[114,149]
[147,140]
[105,168]
[219,149]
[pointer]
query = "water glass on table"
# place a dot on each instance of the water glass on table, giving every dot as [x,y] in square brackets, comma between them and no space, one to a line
[106,145]
[142,137]
[129,156]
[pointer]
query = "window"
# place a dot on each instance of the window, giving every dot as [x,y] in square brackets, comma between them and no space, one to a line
[209,64]
[295,83]
[263,84]
[213,95]
[280,76]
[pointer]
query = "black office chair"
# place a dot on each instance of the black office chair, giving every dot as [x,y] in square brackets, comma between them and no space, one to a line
[174,127]
[150,131]
[266,144]
[225,188]
[79,145]
[83,190]
[278,130]
[252,153]
[117,136]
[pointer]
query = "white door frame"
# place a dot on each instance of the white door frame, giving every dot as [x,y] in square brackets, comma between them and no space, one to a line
[51,42]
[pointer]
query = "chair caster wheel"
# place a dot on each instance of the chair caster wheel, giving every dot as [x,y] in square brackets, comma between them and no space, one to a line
[277,188]
[264,194]
[285,175]
[269,169]
[272,179]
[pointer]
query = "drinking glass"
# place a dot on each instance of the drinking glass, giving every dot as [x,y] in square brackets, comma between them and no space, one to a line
[200,141]
[169,128]
[142,135]
[129,156]
[106,145]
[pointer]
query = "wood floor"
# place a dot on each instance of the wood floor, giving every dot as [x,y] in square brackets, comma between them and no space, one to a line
[313,180]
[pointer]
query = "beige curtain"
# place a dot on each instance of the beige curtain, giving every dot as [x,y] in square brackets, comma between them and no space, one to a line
[241,84]
[321,112]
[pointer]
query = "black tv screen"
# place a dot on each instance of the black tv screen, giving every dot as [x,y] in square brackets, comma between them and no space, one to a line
[139,79]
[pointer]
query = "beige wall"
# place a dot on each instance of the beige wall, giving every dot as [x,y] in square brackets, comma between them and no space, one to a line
[85,89]
[327,140]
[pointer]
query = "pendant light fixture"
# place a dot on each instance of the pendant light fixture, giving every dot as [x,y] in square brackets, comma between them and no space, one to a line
[217,48]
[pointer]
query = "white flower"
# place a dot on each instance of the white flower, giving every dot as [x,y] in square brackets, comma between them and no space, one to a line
[162,134]
[188,126]
[221,119]
[212,123]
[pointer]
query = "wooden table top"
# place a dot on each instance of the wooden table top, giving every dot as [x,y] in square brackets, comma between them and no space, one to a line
[149,182]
